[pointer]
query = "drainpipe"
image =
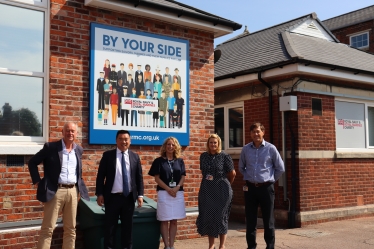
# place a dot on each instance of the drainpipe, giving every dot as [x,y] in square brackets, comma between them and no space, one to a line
[270,104]
[292,209]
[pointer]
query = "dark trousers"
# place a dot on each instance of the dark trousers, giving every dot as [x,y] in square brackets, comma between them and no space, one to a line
[170,118]
[101,105]
[263,196]
[122,207]
[180,123]
[125,114]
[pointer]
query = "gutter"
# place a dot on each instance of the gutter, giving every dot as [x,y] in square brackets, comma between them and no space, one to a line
[201,15]
[270,104]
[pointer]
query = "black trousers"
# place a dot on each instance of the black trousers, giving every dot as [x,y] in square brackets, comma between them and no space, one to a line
[263,196]
[122,207]
[125,114]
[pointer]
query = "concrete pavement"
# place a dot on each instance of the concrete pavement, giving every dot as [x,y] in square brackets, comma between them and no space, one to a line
[346,234]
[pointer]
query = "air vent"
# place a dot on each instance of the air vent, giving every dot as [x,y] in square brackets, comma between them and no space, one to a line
[316,107]
[15,160]
[312,26]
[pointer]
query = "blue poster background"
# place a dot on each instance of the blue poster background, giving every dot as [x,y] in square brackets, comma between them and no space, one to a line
[112,46]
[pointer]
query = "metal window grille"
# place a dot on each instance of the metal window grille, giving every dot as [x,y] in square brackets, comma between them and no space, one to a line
[15,160]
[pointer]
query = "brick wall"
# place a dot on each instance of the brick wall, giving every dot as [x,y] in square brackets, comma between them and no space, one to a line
[342,34]
[69,101]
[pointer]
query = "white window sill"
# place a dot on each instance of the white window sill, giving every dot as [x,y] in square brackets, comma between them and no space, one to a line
[20,148]
[354,154]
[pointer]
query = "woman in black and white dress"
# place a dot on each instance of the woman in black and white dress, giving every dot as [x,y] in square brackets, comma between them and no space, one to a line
[169,172]
[215,193]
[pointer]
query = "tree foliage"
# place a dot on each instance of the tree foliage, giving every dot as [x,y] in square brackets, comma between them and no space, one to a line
[22,122]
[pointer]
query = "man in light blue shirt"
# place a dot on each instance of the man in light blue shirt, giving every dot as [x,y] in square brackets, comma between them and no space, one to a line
[261,165]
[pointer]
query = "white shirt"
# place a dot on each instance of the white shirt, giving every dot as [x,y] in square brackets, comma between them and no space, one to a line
[68,173]
[118,180]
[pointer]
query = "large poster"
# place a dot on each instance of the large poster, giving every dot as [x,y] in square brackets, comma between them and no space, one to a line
[138,82]
[350,125]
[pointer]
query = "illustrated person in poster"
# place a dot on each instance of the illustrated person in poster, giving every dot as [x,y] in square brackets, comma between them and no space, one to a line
[130,82]
[114,105]
[100,90]
[163,107]
[120,87]
[136,78]
[134,112]
[180,107]
[176,71]
[170,107]
[106,92]
[122,73]
[125,112]
[106,68]
[166,86]
[105,115]
[147,73]
[157,85]
[119,183]
[142,112]
[175,87]
[139,85]
[166,75]
[157,73]
[130,70]
[148,116]
[175,117]
[162,117]
[155,114]
[113,76]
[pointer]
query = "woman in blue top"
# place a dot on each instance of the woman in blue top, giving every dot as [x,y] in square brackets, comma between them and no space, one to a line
[169,172]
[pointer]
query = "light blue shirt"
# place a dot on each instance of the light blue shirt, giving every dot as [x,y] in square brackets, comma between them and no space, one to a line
[68,173]
[263,164]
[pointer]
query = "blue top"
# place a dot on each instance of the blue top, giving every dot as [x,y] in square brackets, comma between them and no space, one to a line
[263,164]
[171,102]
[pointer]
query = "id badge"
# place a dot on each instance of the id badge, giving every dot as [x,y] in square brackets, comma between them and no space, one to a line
[209,177]
[245,188]
[172,184]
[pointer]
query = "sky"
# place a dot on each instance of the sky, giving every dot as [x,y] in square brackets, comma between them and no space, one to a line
[261,14]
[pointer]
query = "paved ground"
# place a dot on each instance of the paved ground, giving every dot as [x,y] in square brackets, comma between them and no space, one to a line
[348,234]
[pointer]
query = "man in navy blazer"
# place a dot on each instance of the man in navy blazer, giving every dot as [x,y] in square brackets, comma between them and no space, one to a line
[119,184]
[58,190]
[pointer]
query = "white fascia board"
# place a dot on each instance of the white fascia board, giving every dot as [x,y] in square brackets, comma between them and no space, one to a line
[298,69]
[140,10]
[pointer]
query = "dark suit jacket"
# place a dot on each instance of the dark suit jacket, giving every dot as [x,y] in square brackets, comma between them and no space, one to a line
[107,172]
[51,156]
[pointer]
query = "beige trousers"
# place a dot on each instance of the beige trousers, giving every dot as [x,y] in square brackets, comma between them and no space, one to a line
[65,201]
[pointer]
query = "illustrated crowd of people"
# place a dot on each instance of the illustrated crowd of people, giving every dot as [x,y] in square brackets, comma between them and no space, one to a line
[119,184]
[113,85]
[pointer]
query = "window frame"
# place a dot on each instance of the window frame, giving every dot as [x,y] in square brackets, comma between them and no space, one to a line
[30,144]
[226,131]
[358,34]
[366,104]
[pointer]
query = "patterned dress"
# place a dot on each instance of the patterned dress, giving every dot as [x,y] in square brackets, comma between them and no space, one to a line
[215,195]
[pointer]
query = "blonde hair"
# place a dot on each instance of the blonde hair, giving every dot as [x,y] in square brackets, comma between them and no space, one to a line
[177,150]
[219,143]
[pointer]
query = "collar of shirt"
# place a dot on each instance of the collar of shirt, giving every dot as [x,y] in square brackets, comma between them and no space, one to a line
[120,152]
[253,145]
[64,146]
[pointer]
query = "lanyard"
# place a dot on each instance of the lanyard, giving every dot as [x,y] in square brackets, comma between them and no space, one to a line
[171,164]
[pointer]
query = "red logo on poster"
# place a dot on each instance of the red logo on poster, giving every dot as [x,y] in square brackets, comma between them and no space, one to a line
[128,101]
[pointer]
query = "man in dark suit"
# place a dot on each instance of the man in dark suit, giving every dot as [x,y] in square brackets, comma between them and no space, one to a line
[58,190]
[122,73]
[119,183]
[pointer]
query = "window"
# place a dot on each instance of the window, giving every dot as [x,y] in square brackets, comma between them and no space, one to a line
[228,124]
[23,70]
[354,124]
[360,41]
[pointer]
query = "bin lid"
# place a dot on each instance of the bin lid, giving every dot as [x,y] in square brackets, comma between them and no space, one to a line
[94,211]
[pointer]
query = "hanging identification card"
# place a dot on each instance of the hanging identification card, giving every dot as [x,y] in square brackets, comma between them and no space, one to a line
[245,188]
[172,184]
[209,177]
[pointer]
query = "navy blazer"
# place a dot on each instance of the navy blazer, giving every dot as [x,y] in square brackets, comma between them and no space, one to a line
[107,173]
[51,156]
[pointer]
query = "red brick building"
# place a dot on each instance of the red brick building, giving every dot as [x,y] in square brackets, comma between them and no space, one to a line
[355,28]
[315,97]
[46,61]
